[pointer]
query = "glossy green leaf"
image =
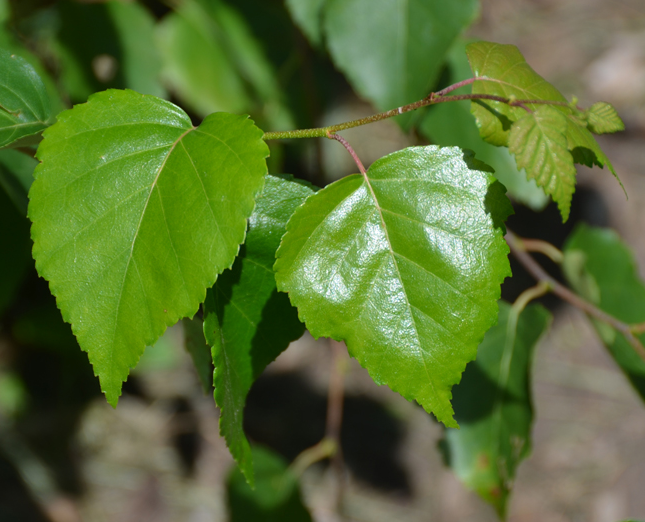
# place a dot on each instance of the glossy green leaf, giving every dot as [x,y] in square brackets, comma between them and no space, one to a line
[493,406]
[24,104]
[392,50]
[539,144]
[601,268]
[246,321]
[199,351]
[276,497]
[453,124]
[134,214]
[307,14]
[602,118]
[16,176]
[405,265]
[107,44]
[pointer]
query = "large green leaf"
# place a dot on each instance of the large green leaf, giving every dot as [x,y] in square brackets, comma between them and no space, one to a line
[600,267]
[276,497]
[392,50]
[134,213]
[308,16]
[453,124]
[246,321]
[24,103]
[493,406]
[539,144]
[405,265]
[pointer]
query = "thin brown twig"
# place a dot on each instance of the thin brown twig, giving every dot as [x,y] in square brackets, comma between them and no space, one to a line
[357,160]
[527,261]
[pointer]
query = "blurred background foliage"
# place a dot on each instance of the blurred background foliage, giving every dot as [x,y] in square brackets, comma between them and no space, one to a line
[66,456]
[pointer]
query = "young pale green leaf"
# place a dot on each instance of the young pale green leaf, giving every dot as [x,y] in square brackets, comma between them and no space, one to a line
[246,321]
[276,497]
[135,213]
[602,118]
[405,265]
[539,144]
[493,406]
[392,50]
[453,124]
[599,266]
[24,104]
[199,351]
[307,14]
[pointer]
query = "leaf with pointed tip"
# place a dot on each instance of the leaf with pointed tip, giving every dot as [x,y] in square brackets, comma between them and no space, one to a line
[246,321]
[392,51]
[602,118]
[24,103]
[135,213]
[493,406]
[601,267]
[405,265]
[539,144]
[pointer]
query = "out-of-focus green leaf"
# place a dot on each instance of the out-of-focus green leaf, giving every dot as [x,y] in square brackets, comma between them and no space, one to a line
[539,144]
[493,406]
[392,50]
[276,497]
[247,322]
[602,118]
[453,124]
[599,266]
[405,265]
[24,103]
[135,213]
[307,14]
[108,44]
[16,176]
[199,350]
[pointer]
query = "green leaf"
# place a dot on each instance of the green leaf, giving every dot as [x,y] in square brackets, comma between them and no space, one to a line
[539,144]
[307,14]
[199,351]
[247,322]
[493,406]
[453,124]
[276,497]
[599,266]
[602,118]
[16,176]
[24,104]
[107,45]
[392,50]
[404,264]
[135,213]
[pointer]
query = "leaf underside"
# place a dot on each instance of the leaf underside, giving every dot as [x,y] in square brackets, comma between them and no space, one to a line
[135,213]
[403,264]
[246,321]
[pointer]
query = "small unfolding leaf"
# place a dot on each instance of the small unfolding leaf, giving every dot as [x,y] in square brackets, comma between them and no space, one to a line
[246,321]
[405,265]
[24,103]
[392,51]
[539,144]
[276,497]
[135,213]
[602,118]
[601,267]
[493,406]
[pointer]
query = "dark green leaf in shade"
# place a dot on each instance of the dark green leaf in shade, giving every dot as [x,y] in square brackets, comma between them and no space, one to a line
[307,14]
[405,265]
[453,124]
[276,497]
[493,406]
[135,213]
[392,50]
[601,268]
[107,45]
[16,175]
[24,103]
[247,322]
[539,144]
[602,118]
[199,351]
